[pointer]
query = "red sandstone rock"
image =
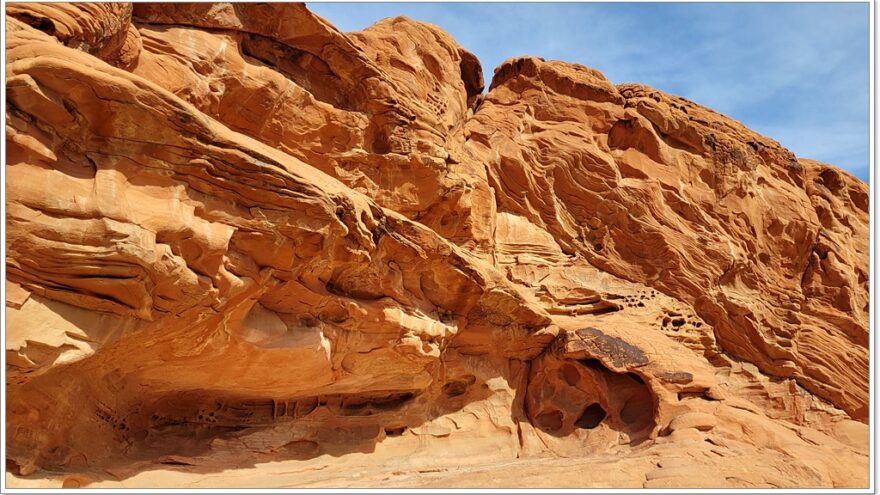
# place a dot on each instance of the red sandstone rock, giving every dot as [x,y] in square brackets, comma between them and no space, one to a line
[239,240]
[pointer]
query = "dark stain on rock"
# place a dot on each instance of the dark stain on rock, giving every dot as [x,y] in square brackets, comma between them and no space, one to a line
[676,376]
[620,353]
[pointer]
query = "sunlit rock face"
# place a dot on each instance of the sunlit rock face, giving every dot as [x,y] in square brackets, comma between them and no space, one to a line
[246,249]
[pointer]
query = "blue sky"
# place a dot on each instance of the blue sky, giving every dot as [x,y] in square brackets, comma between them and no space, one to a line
[795,72]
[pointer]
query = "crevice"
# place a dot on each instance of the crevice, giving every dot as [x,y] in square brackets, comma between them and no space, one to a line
[592,416]
[43,24]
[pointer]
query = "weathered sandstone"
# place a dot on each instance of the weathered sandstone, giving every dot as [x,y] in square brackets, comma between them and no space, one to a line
[246,249]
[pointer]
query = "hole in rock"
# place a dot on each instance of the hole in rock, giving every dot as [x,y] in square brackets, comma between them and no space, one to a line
[565,398]
[606,309]
[693,394]
[593,364]
[41,23]
[636,377]
[381,144]
[45,25]
[591,417]
[549,420]
[458,387]
[367,406]
[395,432]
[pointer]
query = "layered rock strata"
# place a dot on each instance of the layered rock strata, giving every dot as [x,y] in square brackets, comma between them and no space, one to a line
[244,248]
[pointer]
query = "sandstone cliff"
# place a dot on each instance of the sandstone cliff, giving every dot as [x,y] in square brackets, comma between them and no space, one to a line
[246,249]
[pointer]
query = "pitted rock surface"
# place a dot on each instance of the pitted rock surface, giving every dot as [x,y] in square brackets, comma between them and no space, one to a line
[245,249]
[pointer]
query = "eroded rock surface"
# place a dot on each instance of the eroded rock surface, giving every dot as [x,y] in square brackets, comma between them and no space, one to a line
[243,247]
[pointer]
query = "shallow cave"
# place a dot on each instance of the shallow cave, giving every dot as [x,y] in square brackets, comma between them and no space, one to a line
[567,395]
[591,417]
[550,420]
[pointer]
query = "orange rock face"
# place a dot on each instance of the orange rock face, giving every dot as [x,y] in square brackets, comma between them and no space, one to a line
[246,249]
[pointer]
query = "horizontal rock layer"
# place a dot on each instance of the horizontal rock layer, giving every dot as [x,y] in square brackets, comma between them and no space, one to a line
[236,235]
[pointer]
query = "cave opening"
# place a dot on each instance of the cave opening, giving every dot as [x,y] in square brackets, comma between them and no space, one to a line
[592,416]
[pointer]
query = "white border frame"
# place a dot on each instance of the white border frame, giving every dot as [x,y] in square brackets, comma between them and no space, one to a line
[872,317]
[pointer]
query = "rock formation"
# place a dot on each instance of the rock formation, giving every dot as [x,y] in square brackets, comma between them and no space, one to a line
[246,249]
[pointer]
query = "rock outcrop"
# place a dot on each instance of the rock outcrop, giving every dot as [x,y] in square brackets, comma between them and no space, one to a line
[244,247]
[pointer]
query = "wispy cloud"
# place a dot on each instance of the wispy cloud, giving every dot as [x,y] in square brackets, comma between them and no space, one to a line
[795,72]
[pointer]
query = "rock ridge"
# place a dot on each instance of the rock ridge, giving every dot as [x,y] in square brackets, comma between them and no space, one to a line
[247,249]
